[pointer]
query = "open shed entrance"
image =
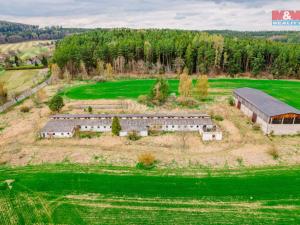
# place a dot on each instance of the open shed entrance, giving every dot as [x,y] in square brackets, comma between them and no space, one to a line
[254,117]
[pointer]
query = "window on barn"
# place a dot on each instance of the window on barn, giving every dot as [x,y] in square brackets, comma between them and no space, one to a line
[288,120]
[276,121]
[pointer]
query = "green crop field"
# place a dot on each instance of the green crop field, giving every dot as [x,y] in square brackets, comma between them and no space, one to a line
[74,194]
[285,90]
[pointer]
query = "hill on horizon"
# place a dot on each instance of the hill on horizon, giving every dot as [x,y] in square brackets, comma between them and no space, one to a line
[11,32]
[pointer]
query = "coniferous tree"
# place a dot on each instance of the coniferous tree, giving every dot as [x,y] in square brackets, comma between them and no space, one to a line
[159,92]
[116,126]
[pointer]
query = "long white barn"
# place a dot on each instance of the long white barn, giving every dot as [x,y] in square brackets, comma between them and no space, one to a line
[272,115]
[65,125]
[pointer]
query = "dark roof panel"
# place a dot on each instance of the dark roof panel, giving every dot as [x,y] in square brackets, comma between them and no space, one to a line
[264,102]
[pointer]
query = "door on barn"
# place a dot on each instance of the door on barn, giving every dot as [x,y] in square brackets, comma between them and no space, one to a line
[254,117]
[239,105]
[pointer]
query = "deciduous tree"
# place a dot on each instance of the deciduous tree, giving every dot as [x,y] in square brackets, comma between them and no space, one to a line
[185,85]
[200,90]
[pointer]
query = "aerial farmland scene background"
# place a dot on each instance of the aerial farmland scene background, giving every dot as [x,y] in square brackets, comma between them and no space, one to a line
[149,112]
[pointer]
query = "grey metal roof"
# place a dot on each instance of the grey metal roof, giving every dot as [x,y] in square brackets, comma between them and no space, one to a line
[139,124]
[57,126]
[76,116]
[264,102]
[69,125]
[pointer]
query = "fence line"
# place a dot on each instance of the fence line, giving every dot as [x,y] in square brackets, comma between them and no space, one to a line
[23,95]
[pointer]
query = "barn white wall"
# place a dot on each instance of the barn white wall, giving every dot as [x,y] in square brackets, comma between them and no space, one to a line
[101,128]
[57,134]
[284,129]
[276,129]
[212,136]
[181,127]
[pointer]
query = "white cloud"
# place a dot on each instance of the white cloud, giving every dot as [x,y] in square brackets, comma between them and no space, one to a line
[183,14]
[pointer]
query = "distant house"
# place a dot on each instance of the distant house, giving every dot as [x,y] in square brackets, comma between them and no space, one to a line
[272,115]
[64,126]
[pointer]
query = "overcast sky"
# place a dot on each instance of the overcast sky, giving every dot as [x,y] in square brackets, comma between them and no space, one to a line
[183,14]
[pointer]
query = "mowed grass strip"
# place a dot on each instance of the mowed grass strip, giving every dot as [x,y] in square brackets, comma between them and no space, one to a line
[285,90]
[64,196]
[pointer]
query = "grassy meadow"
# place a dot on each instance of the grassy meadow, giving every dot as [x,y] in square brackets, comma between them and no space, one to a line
[17,81]
[285,90]
[74,194]
[26,49]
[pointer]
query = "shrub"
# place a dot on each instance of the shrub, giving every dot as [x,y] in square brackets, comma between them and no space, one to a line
[116,127]
[188,102]
[133,136]
[218,118]
[90,109]
[143,99]
[24,109]
[3,93]
[274,153]
[256,127]
[99,79]
[240,161]
[146,161]
[231,101]
[56,103]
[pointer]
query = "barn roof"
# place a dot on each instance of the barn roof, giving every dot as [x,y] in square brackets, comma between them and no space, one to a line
[83,116]
[265,103]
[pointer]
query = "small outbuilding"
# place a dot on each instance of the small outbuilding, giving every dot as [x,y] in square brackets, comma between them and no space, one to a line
[273,115]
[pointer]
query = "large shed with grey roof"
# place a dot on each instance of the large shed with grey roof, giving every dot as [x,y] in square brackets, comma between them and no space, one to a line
[65,125]
[273,115]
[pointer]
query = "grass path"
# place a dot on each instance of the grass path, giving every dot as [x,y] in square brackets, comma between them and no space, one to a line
[285,90]
[73,194]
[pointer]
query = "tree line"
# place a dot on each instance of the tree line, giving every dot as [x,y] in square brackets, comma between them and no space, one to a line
[155,51]
[17,32]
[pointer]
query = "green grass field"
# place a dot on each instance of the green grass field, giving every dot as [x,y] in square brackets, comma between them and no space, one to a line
[73,194]
[287,91]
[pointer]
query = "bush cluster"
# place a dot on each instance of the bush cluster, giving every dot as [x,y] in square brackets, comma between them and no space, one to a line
[146,161]
[24,109]
[133,136]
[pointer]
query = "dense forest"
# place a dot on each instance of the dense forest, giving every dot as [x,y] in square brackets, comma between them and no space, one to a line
[161,51]
[17,32]
[281,36]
